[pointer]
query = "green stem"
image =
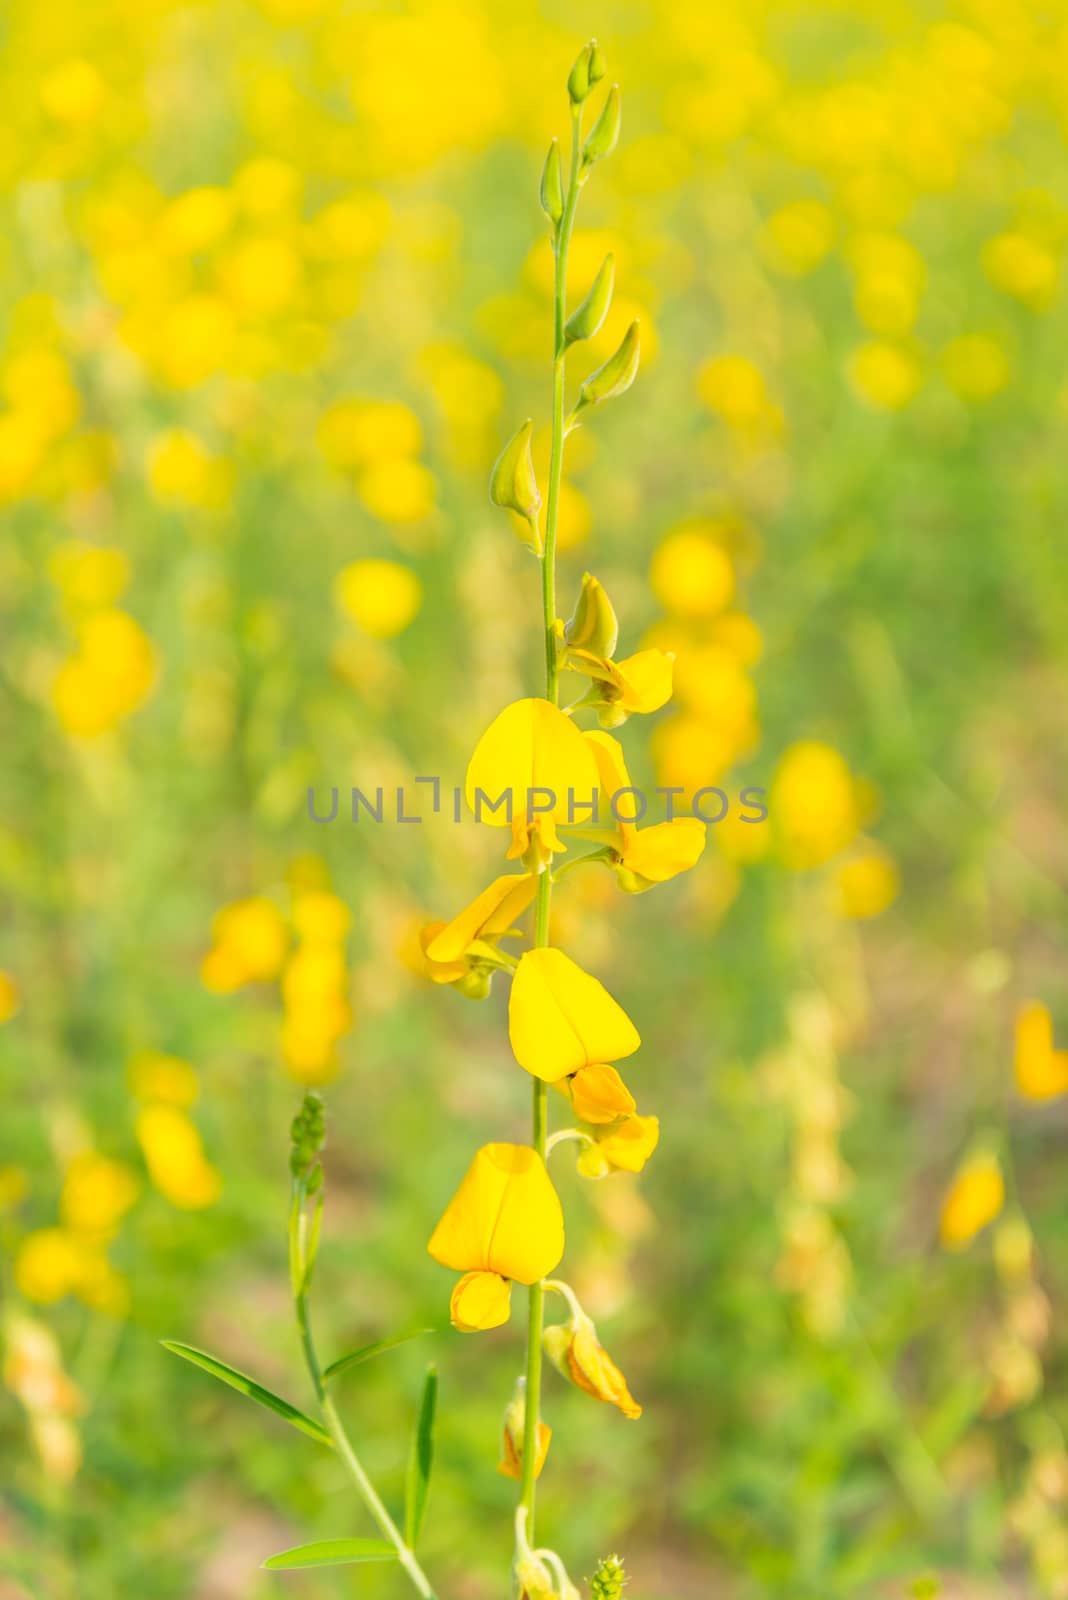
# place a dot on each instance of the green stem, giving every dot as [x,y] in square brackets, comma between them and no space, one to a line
[536,1308]
[342,1444]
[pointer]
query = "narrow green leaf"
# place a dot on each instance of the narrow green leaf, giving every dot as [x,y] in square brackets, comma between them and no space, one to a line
[367,1352]
[331,1553]
[255,1391]
[420,1460]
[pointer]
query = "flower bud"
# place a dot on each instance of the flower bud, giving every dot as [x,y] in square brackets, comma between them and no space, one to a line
[535,1580]
[587,318]
[616,375]
[515,1421]
[593,625]
[579,79]
[552,185]
[604,134]
[475,983]
[609,1581]
[512,482]
[575,1352]
[598,65]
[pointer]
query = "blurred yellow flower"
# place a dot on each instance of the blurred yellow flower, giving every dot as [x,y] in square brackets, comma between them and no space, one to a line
[691,573]
[866,883]
[250,942]
[47,1265]
[887,376]
[73,91]
[1041,1070]
[397,490]
[976,366]
[88,576]
[192,340]
[153,1076]
[108,679]
[174,1156]
[261,276]
[691,752]
[1022,267]
[734,388]
[799,236]
[642,857]
[321,917]
[560,1019]
[183,471]
[973,1200]
[813,804]
[504,1223]
[22,448]
[382,597]
[195,220]
[355,433]
[97,1193]
[10,998]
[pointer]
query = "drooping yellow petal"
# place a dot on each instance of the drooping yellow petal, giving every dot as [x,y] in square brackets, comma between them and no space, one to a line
[628,1147]
[561,1019]
[974,1199]
[598,1094]
[614,778]
[644,680]
[1041,1071]
[480,1300]
[530,750]
[505,1217]
[491,912]
[664,850]
[439,971]
[577,1354]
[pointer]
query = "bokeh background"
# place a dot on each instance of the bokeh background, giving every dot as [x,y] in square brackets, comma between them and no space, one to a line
[274,291]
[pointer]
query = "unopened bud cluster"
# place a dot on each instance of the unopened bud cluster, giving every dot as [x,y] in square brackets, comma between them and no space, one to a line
[307,1132]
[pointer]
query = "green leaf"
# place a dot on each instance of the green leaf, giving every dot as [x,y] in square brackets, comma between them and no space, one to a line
[368,1352]
[331,1553]
[255,1391]
[420,1461]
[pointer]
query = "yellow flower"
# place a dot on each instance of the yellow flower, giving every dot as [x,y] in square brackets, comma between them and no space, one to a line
[47,1265]
[885,375]
[250,942]
[639,684]
[398,490]
[642,857]
[598,1094]
[624,1147]
[195,220]
[503,1224]
[798,237]
[73,91]
[976,366]
[734,388]
[813,804]
[321,918]
[88,576]
[867,883]
[175,1157]
[560,1019]
[466,947]
[9,996]
[575,1352]
[182,471]
[354,434]
[111,675]
[535,762]
[1023,267]
[381,597]
[973,1200]
[1041,1071]
[97,1193]
[691,574]
[160,1077]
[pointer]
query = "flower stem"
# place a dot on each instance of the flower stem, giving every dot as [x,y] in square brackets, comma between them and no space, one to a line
[545,888]
[342,1444]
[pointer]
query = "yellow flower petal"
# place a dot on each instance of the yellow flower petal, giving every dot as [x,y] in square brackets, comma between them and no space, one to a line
[1041,1071]
[480,1300]
[530,746]
[491,912]
[974,1199]
[505,1217]
[644,680]
[439,971]
[598,1094]
[560,1019]
[575,1351]
[666,849]
[628,1147]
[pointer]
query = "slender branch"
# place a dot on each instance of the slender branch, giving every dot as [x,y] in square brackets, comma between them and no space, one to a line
[536,1308]
[343,1445]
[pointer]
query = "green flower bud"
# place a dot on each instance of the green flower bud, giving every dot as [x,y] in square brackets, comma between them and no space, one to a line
[475,984]
[616,375]
[593,625]
[598,65]
[609,1581]
[578,79]
[552,185]
[605,132]
[587,318]
[512,482]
